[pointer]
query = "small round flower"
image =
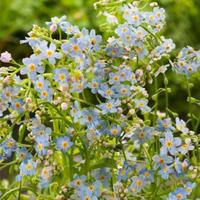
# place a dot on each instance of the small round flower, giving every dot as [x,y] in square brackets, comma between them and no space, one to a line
[64,106]
[63,143]
[28,168]
[5,57]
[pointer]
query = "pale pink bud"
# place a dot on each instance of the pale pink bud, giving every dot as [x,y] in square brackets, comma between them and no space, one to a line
[5,57]
[53,28]
[64,106]
[29,100]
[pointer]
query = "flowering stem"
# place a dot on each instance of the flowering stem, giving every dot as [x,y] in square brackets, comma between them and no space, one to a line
[124,154]
[20,186]
[8,164]
[156,100]
[190,102]
[166,95]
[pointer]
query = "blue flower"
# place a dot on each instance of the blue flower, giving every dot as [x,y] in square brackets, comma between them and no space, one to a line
[78,181]
[137,184]
[179,166]
[142,105]
[124,172]
[57,20]
[114,78]
[61,75]
[115,130]
[133,16]
[185,147]
[179,194]
[181,125]
[94,40]
[147,174]
[32,67]
[78,86]
[28,168]
[94,85]
[94,188]
[8,93]
[89,116]
[46,93]
[45,177]
[165,171]
[41,130]
[125,74]
[188,61]
[87,195]
[41,144]
[3,107]
[110,106]
[161,160]
[106,92]
[103,175]
[189,187]
[123,29]
[114,51]
[23,154]
[169,144]
[142,135]
[164,125]
[75,112]
[73,47]
[63,143]
[40,83]
[17,104]
[8,146]
[49,52]
[159,14]
[69,28]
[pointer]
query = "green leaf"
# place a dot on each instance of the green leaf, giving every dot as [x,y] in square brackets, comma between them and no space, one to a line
[105,162]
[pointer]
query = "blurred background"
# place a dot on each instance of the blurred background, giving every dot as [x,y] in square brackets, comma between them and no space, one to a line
[183,19]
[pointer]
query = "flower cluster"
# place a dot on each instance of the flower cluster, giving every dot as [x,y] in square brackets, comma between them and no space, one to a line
[77,118]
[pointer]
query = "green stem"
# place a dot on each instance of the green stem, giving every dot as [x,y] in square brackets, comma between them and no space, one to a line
[5,195]
[190,102]
[166,95]
[20,186]
[8,164]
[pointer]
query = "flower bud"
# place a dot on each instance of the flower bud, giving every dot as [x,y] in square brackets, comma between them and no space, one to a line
[29,100]
[64,106]
[53,28]
[5,57]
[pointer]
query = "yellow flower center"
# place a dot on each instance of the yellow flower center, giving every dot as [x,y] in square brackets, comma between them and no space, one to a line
[115,78]
[64,144]
[49,53]
[109,105]
[32,67]
[75,47]
[62,77]
[78,182]
[44,93]
[138,183]
[135,18]
[169,144]
[39,84]
[17,105]
[93,41]
[29,166]
[179,196]
[114,131]
[94,84]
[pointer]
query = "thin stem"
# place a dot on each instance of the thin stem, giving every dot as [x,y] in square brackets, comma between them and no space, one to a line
[190,102]
[166,95]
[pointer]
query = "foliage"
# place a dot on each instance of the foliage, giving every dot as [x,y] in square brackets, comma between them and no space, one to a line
[87,115]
